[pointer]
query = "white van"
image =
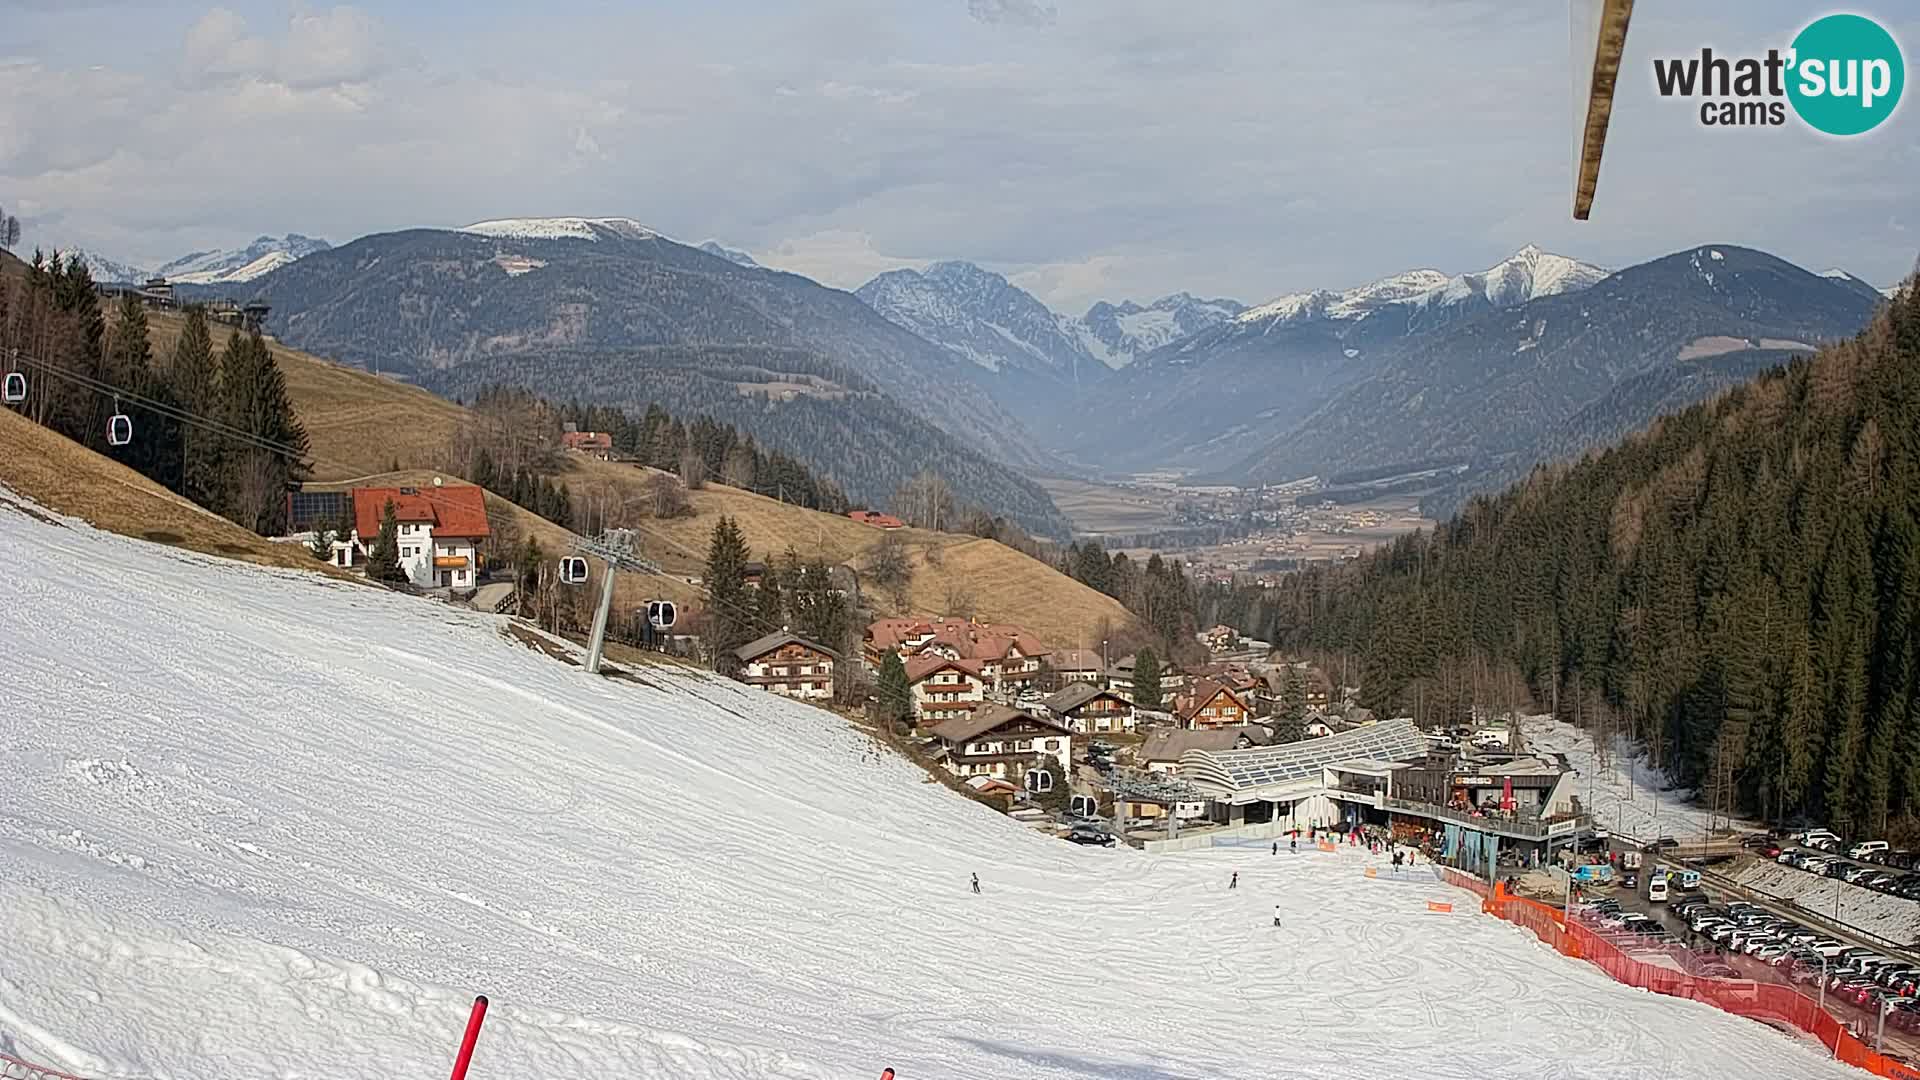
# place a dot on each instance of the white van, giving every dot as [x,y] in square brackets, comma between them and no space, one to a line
[1865,848]
[1657,888]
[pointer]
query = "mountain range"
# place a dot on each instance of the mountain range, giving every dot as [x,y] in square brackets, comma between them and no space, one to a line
[1485,372]
[547,302]
[1197,403]
[216,267]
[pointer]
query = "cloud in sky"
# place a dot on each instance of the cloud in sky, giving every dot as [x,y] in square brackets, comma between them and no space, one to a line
[1128,148]
[1018,12]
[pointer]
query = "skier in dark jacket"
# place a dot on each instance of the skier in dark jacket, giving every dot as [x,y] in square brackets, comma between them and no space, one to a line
[1234,881]
[976,883]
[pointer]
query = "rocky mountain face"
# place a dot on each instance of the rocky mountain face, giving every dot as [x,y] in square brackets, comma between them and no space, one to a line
[1029,358]
[1119,334]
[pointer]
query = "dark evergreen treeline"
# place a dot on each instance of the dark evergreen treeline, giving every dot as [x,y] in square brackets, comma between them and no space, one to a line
[1738,587]
[661,440]
[243,448]
[790,401]
[1158,590]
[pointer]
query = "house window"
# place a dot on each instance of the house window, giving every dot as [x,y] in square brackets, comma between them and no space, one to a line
[1022,746]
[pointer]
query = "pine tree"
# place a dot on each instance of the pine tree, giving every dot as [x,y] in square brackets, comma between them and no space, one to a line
[770,600]
[1146,679]
[383,560]
[261,471]
[321,543]
[1293,697]
[895,696]
[193,381]
[729,608]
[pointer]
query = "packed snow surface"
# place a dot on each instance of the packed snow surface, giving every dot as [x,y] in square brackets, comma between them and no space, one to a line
[1626,793]
[258,823]
[562,228]
[1892,917]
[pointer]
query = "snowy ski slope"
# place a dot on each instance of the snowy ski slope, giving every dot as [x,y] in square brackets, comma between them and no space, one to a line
[253,824]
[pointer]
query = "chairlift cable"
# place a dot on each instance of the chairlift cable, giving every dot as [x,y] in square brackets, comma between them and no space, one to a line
[260,442]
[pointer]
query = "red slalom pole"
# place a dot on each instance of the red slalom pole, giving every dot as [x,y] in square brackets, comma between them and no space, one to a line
[473,1036]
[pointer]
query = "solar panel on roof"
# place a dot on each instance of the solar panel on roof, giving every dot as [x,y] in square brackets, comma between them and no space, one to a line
[1273,764]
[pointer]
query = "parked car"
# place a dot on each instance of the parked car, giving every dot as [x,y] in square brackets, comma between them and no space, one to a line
[1081,834]
[1867,847]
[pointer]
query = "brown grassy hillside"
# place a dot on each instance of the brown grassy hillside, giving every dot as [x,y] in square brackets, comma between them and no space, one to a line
[62,475]
[359,424]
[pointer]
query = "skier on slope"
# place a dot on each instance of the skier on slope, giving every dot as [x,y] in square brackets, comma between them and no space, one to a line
[1234,881]
[1276,847]
[1293,844]
[976,883]
[1276,915]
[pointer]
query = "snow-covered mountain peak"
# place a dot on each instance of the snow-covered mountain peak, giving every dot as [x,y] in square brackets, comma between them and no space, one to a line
[978,314]
[563,228]
[1522,276]
[1119,333]
[107,271]
[234,265]
[732,255]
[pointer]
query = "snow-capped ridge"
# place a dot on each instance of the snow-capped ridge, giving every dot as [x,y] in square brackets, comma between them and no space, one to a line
[732,255]
[233,265]
[107,271]
[563,228]
[1525,275]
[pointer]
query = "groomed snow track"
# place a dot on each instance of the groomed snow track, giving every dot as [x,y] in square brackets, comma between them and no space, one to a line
[257,823]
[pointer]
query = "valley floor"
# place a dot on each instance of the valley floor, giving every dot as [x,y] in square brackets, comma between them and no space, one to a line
[255,822]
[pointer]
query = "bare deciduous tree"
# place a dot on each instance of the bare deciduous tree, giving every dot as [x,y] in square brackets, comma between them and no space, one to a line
[925,501]
[693,470]
[667,497]
[889,568]
[960,602]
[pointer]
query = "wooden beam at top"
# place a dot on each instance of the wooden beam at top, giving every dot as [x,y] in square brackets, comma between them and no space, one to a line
[1606,71]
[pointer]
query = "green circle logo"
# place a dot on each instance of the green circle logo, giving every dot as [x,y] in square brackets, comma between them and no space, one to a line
[1847,74]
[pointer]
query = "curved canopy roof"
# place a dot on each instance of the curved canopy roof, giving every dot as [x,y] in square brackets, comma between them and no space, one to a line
[1240,770]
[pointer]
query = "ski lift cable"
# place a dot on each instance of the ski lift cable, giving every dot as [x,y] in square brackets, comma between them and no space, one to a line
[218,427]
[214,426]
[172,412]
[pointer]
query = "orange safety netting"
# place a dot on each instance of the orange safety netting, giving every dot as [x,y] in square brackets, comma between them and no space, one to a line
[1772,1003]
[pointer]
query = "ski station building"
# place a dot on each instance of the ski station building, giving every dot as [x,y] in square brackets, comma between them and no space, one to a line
[1384,774]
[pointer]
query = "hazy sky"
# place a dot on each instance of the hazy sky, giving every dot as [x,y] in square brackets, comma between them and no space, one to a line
[1087,148]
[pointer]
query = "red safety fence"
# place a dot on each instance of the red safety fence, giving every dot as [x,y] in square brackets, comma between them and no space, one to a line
[1772,1003]
[12,1068]
[1462,880]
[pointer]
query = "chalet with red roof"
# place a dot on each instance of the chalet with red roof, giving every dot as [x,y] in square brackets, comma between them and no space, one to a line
[594,444]
[944,689]
[1211,704]
[1008,655]
[439,532]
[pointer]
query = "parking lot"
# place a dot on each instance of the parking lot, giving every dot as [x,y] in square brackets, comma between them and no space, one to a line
[1710,933]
